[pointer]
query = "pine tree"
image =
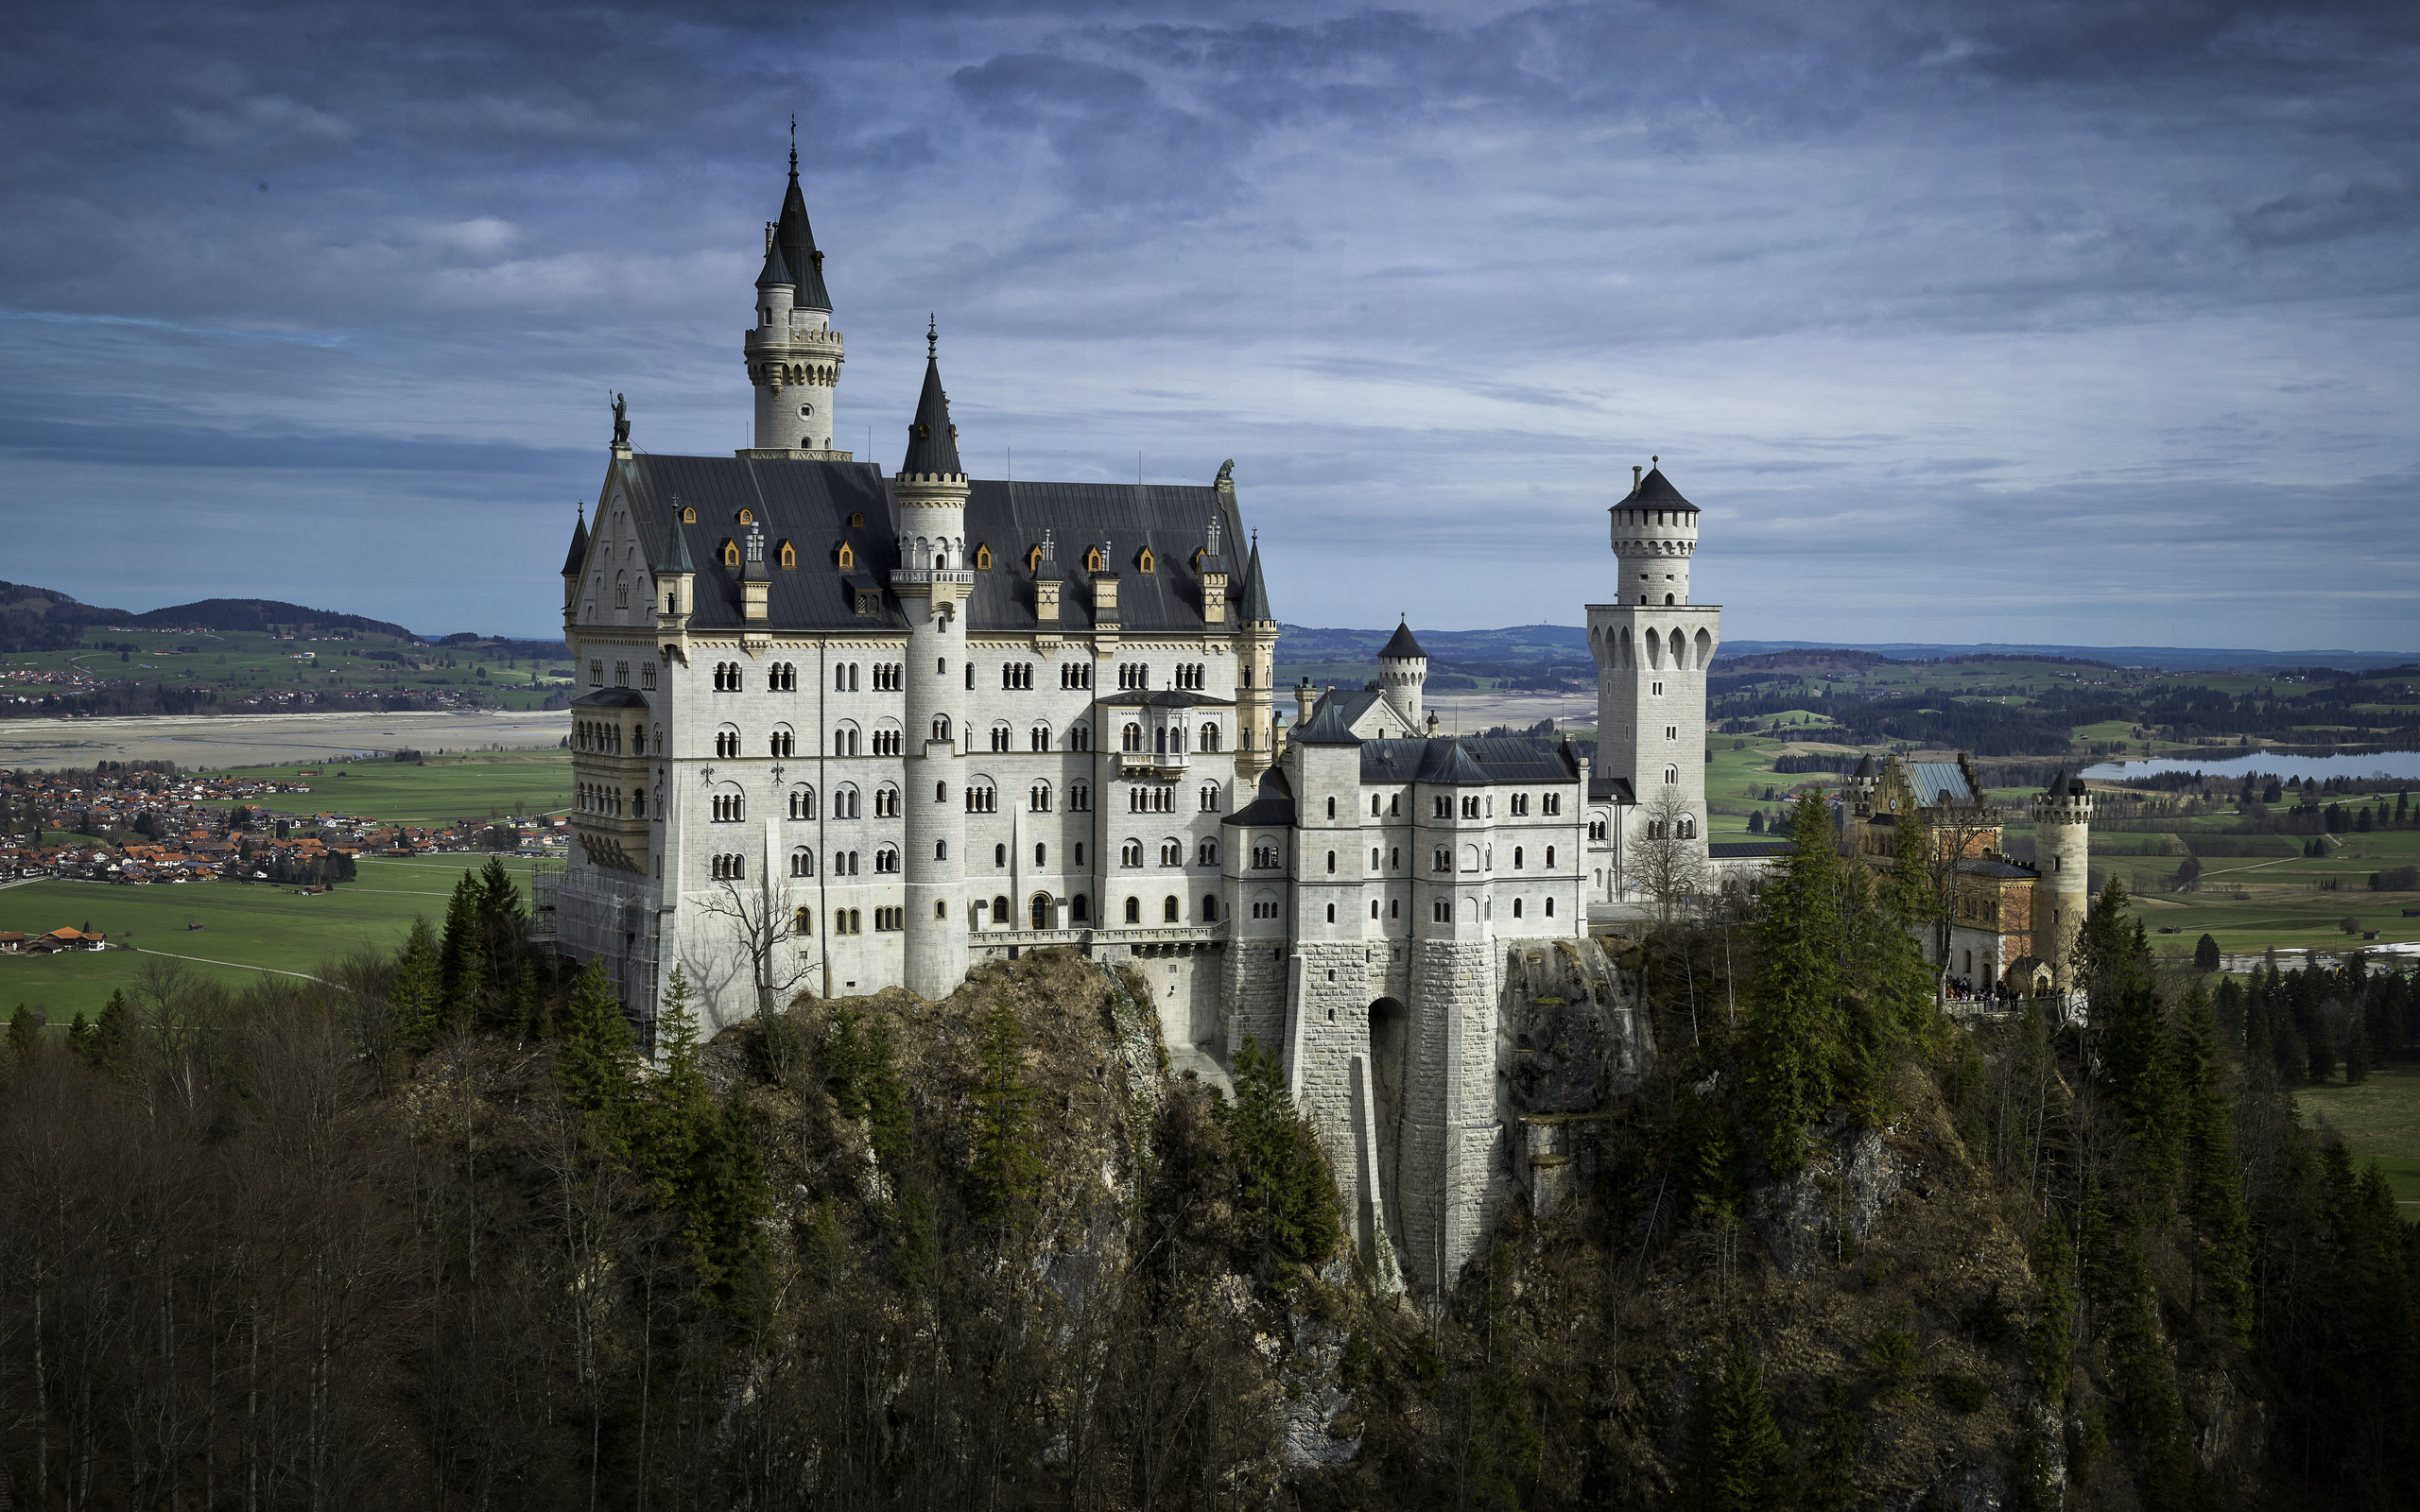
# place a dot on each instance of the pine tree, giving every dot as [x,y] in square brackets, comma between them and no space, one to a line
[110,1046]
[1794,1030]
[892,1132]
[419,993]
[1289,1192]
[1737,1461]
[680,1112]
[79,1036]
[459,958]
[2321,1048]
[2206,954]
[727,1203]
[25,1034]
[1008,1166]
[1827,1474]
[845,1064]
[2213,1189]
[595,1058]
[2051,1343]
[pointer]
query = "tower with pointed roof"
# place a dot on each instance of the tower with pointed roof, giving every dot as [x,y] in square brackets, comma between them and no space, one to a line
[2063,858]
[1651,646]
[1256,666]
[932,582]
[792,351]
[1403,672]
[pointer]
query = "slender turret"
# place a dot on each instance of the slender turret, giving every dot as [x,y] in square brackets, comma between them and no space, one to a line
[1403,671]
[2062,855]
[934,587]
[1256,663]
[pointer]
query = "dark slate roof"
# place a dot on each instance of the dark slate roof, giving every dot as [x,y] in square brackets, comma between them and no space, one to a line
[1328,725]
[1864,767]
[611,698]
[1255,605]
[1402,645]
[576,561]
[1746,849]
[932,440]
[796,239]
[1274,804]
[1350,703]
[776,270]
[1611,790]
[808,503]
[1656,491]
[1995,868]
[1466,760]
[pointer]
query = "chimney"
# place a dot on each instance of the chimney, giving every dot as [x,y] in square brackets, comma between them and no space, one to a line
[1105,591]
[1045,583]
[1635,472]
[1303,702]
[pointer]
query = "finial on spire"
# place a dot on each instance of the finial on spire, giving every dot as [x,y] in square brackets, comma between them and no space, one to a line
[793,143]
[583,512]
[932,336]
[1653,460]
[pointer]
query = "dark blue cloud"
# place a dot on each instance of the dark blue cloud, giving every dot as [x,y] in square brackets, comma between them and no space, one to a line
[2102,314]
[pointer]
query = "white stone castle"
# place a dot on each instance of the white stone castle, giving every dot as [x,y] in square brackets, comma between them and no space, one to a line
[844,732]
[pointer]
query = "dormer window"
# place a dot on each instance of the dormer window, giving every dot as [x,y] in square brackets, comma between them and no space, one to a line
[689,516]
[730,553]
[1143,562]
[788,555]
[746,517]
[1033,560]
[1091,560]
[982,559]
[846,555]
[857,520]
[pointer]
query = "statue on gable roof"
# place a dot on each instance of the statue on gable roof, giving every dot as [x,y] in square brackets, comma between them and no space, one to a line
[1226,473]
[621,422]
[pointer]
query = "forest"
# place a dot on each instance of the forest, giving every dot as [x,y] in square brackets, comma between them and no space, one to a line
[426,1233]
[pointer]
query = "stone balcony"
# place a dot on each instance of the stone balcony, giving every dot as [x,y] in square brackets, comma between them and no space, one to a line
[916,577]
[1141,766]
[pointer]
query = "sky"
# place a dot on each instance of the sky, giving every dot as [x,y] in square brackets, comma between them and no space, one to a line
[2077,321]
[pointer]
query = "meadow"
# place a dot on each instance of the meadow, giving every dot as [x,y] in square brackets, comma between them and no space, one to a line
[237,662]
[2379,1120]
[476,784]
[245,928]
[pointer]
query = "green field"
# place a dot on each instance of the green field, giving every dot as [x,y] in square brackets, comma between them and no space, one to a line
[2379,1119]
[245,927]
[443,788]
[238,662]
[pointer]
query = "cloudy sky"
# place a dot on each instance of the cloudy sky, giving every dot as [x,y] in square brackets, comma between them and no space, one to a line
[2087,322]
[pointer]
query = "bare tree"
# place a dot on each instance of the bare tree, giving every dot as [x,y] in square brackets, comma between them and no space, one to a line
[1666,864]
[1954,834]
[764,927]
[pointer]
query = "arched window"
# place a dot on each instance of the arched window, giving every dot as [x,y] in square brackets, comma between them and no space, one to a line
[940,792]
[1080,909]
[1516,907]
[1668,598]
[941,850]
[689,516]
[1171,911]
[1131,853]
[1549,908]
[803,922]
[1209,909]
[1331,913]
[1001,917]
[941,727]
[1516,858]
[982,559]
[730,553]
[1689,827]
[1133,910]
[1131,738]
[1331,863]
[1209,736]
[1038,737]
[1209,798]
[1671,775]
[801,803]
[846,556]
[1079,737]
[621,590]
[801,862]
[1550,858]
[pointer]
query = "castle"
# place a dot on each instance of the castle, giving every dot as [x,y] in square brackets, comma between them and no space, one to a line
[842,730]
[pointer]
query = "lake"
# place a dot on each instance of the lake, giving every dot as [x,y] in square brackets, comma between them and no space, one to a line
[2393,764]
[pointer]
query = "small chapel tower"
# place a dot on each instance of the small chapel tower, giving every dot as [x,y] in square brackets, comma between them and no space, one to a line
[933,584]
[794,354]
[1403,672]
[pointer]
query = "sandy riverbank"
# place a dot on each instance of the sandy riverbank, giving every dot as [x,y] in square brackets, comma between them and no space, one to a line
[248,739]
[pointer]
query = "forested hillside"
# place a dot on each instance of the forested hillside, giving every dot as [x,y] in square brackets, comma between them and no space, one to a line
[424,1233]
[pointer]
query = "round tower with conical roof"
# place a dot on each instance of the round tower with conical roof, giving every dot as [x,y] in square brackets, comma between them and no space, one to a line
[1402,673]
[794,354]
[933,584]
[1259,730]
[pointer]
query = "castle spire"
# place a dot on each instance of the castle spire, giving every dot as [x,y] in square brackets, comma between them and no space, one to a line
[795,237]
[1256,609]
[932,440]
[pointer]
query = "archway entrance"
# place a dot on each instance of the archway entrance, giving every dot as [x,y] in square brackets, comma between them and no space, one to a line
[1039,911]
[1390,1068]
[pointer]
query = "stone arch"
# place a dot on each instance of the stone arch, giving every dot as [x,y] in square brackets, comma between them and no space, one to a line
[1705,648]
[1654,649]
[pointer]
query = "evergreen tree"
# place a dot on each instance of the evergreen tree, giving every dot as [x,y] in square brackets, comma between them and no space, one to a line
[1289,1193]
[680,1112]
[1738,1462]
[1756,821]
[1008,1166]
[2137,1048]
[2206,954]
[2321,1048]
[2357,1051]
[892,1130]
[844,1063]
[595,1058]
[110,1046]
[2213,1189]
[79,1036]
[2050,1344]
[459,958]
[1828,1465]
[25,1034]
[2171,1477]
[419,993]
[1793,1031]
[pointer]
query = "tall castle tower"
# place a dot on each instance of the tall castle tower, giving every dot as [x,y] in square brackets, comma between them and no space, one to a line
[2062,855]
[932,583]
[793,353]
[1652,646]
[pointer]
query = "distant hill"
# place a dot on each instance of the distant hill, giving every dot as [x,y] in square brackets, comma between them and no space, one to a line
[1565,644]
[44,619]
[257,614]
